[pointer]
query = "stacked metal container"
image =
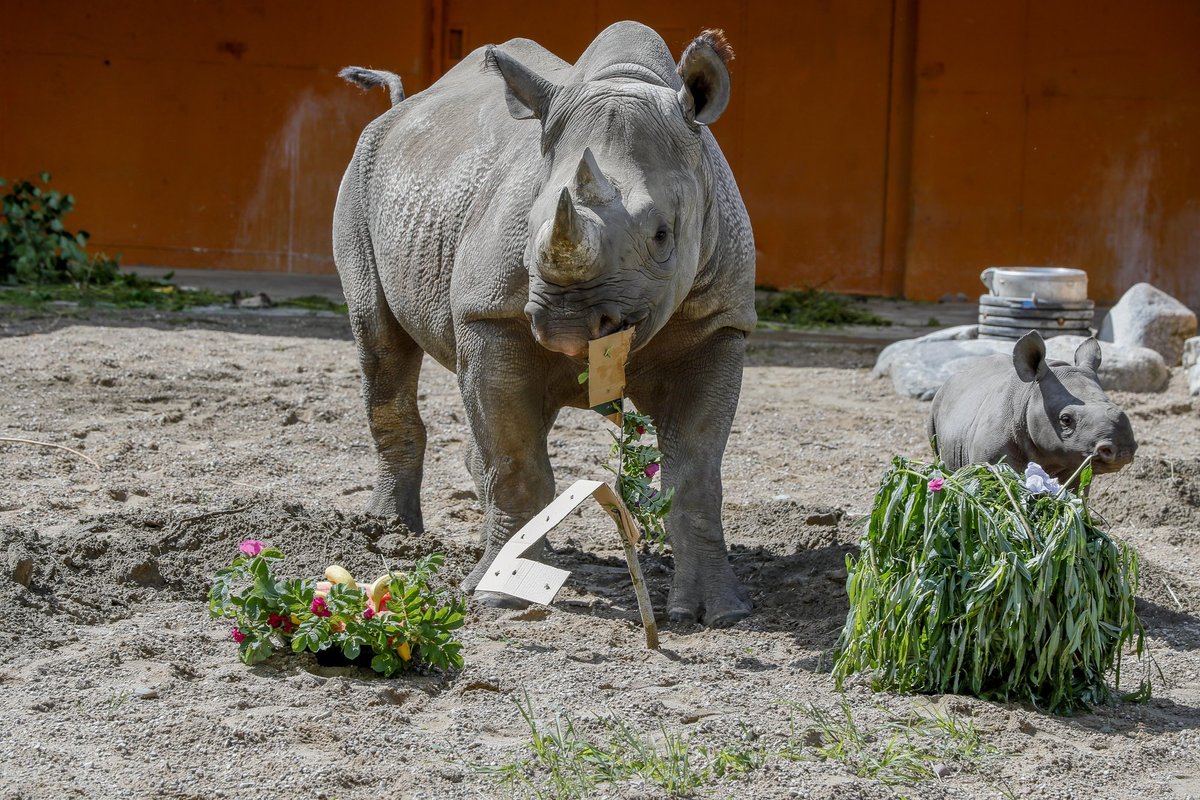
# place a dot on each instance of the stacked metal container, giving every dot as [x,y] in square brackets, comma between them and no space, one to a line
[1050,300]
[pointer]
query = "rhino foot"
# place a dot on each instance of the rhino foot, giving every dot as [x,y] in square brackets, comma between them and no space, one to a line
[727,612]
[714,590]
[384,504]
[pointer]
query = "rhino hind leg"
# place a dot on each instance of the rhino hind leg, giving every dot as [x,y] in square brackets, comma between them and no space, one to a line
[391,367]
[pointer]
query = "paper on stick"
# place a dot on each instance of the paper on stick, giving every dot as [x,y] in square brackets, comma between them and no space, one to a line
[534,581]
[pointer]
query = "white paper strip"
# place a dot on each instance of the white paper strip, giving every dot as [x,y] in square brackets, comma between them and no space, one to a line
[532,580]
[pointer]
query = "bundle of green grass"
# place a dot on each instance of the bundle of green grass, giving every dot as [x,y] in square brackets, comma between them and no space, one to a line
[991,583]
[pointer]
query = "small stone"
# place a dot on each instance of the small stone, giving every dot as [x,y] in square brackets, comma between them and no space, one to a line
[144,693]
[120,495]
[21,567]
[146,573]
[941,770]
[830,517]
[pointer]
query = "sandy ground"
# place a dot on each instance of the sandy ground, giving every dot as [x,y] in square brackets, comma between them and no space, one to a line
[114,682]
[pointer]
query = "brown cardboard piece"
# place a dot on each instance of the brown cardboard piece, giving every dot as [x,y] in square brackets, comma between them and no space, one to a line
[606,370]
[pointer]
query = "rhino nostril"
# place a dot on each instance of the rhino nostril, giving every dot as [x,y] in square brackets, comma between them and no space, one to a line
[1106,452]
[605,322]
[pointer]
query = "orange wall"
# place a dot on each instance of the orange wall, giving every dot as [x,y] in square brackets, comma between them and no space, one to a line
[1057,133]
[882,146]
[198,134]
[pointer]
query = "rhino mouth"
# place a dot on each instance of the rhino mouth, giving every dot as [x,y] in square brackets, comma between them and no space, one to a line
[1102,466]
[569,332]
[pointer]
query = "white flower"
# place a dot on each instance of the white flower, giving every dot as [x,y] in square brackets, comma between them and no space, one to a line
[1038,481]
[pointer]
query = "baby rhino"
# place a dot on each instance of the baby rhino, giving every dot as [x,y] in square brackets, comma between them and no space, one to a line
[1027,409]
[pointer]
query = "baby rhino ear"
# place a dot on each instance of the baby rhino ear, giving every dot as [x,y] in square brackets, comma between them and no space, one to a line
[1087,355]
[1029,357]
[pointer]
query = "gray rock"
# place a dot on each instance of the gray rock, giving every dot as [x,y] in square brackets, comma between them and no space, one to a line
[1123,368]
[1149,317]
[1191,352]
[1193,377]
[918,367]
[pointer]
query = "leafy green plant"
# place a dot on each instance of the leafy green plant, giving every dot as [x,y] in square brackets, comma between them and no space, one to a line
[35,245]
[407,625]
[813,308]
[988,583]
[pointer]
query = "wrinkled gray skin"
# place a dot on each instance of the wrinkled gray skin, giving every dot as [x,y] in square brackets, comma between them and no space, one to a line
[520,207]
[1024,408]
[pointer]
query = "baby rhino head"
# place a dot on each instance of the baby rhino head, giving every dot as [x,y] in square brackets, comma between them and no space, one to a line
[1069,417]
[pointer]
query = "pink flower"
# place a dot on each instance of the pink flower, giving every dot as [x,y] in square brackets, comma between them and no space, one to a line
[651,470]
[318,607]
[237,635]
[936,484]
[276,621]
[252,547]
[368,613]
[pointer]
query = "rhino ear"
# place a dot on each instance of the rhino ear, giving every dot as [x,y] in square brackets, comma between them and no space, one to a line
[1088,354]
[526,93]
[1029,357]
[705,92]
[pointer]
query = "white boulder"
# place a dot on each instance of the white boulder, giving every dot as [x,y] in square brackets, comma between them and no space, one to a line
[1149,317]
[1191,363]
[919,367]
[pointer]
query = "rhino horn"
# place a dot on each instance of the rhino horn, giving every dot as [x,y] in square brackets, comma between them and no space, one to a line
[571,248]
[591,185]
[568,232]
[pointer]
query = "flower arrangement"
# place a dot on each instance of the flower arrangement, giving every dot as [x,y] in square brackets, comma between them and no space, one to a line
[991,583]
[399,620]
[637,465]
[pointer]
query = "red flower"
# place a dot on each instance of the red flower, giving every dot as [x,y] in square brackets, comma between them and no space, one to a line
[319,607]
[641,430]
[237,635]
[276,621]
[651,470]
[368,613]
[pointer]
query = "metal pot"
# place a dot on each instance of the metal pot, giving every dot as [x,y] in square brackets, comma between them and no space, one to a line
[1043,284]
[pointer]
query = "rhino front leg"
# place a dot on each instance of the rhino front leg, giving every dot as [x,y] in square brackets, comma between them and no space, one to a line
[693,402]
[391,367]
[502,379]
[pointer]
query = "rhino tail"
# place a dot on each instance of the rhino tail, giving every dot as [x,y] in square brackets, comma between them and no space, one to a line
[370,78]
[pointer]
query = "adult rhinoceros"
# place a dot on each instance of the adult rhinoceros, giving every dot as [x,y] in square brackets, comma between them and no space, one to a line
[522,206]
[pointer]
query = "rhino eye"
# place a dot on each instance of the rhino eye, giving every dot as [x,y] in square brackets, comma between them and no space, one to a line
[1066,420]
[661,246]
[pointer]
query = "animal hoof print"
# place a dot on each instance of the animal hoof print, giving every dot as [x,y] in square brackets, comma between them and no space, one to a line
[497,600]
